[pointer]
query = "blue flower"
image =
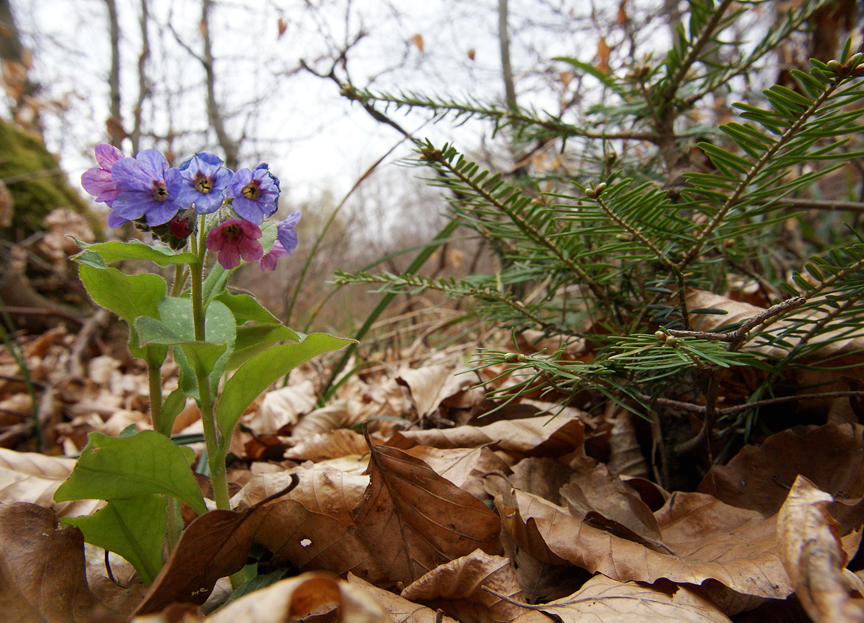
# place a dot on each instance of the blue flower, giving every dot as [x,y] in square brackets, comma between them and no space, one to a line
[255,193]
[146,187]
[204,182]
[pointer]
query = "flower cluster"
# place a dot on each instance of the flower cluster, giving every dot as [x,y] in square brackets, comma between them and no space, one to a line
[167,200]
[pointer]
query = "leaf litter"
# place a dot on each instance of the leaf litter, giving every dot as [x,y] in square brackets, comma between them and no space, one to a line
[432,511]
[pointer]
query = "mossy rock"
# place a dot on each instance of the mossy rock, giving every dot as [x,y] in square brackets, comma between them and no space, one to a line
[22,158]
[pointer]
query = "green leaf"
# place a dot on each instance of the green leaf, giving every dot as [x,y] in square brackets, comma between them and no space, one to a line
[121,468]
[245,308]
[128,296]
[257,338]
[254,376]
[215,283]
[136,250]
[133,528]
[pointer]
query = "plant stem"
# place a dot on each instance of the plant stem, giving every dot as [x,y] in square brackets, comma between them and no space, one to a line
[175,523]
[215,459]
[154,382]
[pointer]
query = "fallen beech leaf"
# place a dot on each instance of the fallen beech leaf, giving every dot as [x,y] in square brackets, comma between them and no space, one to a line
[814,558]
[537,436]
[593,488]
[42,577]
[312,527]
[413,520]
[832,340]
[336,415]
[711,540]
[431,385]
[399,608]
[462,589]
[604,599]
[32,477]
[295,598]
[282,407]
[332,445]
[543,477]
[759,478]
[215,545]
[464,467]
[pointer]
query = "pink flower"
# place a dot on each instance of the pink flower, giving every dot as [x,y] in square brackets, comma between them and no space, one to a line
[97,181]
[233,240]
[268,262]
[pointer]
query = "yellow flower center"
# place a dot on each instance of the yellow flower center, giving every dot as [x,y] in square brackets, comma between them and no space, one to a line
[203,185]
[160,193]
[251,191]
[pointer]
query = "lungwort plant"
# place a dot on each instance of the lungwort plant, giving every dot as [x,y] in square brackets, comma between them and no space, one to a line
[198,207]
[628,247]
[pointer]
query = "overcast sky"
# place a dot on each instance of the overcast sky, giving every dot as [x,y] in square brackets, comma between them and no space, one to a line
[311,137]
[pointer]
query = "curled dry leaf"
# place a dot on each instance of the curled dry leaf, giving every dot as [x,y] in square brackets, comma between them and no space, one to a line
[710,540]
[336,415]
[537,436]
[332,445]
[413,520]
[215,545]
[312,527]
[399,608]
[610,601]
[759,478]
[296,598]
[543,477]
[593,489]
[814,558]
[738,312]
[31,477]
[477,588]
[431,385]
[42,570]
[282,407]
[464,467]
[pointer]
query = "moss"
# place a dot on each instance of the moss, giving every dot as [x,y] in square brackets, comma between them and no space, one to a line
[22,158]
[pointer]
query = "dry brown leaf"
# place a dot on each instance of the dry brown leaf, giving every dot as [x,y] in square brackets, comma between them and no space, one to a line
[542,477]
[399,608]
[32,477]
[413,520]
[464,467]
[431,385]
[738,311]
[213,546]
[814,558]
[312,527]
[711,540]
[593,489]
[539,436]
[296,598]
[608,601]
[332,445]
[759,478]
[418,41]
[462,589]
[42,572]
[336,415]
[282,407]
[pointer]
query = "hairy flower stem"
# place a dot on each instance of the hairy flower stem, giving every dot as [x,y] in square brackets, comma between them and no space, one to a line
[154,382]
[215,459]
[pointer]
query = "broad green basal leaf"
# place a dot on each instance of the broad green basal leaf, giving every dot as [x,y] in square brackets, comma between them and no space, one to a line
[120,468]
[133,528]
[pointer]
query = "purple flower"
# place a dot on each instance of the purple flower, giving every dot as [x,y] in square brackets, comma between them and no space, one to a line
[286,241]
[204,182]
[97,181]
[233,240]
[146,187]
[255,193]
